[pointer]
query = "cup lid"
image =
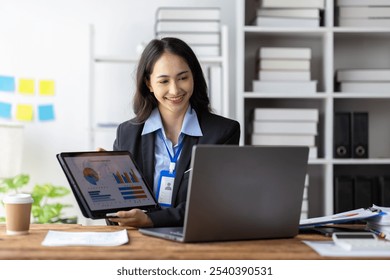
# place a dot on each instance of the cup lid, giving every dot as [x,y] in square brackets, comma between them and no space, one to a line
[18,198]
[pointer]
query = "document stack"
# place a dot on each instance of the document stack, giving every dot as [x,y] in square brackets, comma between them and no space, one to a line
[287,13]
[286,126]
[380,224]
[198,27]
[364,13]
[284,70]
[364,80]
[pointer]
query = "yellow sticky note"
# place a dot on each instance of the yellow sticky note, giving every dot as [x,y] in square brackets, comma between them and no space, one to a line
[26,86]
[24,112]
[46,87]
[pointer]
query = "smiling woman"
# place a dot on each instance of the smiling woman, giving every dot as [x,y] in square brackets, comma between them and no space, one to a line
[172,115]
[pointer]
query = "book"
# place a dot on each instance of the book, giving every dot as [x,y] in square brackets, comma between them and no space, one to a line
[173,13]
[313,152]
[187,26]
[215,89]
[284,64]
[290,87]
[285,52]
[283,139]
[320,4]
[275,75]
[194,38]
[290,13]
[286,114]
[205,50]
[285,127]
[268,21]
[356,75]
[362,22]
[365,87]
[363,2]
[364,12]
[342,217]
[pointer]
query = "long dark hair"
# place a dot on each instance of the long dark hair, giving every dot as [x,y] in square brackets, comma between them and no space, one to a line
[144,100]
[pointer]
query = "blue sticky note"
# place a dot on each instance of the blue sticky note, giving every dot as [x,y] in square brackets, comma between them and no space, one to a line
[46,112]
[5,110]
[7,83]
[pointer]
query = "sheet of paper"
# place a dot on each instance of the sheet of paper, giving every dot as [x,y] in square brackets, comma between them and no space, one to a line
[66,238]
[5,110]
[24,112]
[7,83]
[46,112]
[329,249]
[26,86]
[46,87]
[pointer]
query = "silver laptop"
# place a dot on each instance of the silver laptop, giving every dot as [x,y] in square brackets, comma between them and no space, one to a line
[240,193]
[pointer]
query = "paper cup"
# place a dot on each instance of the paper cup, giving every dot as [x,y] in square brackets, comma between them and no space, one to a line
[18,213]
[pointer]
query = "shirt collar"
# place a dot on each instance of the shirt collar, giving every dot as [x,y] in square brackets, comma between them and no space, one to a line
[190,125]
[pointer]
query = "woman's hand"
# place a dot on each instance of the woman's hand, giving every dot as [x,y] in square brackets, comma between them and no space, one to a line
[132,218]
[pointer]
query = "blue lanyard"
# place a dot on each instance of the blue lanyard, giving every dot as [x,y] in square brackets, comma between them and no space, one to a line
[173,158]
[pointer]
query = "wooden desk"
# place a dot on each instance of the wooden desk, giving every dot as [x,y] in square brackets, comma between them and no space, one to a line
[143,247]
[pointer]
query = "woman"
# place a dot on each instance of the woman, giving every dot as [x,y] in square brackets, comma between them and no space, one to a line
[172,115]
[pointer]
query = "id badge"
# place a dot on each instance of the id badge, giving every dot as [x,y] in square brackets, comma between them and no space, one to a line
[165,188]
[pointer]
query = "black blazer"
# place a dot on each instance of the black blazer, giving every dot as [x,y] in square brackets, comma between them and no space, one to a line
[215,130]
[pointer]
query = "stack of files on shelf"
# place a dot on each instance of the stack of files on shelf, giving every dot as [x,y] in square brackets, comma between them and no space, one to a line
[305,200]
[284,70]
[286,126]
[287,13]
[364,13]
[380,224]
[364,80]
[200,28]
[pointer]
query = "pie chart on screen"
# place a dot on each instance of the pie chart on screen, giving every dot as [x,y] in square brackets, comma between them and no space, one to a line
[91,175]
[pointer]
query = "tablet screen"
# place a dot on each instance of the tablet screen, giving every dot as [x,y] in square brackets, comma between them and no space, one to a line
[108,180]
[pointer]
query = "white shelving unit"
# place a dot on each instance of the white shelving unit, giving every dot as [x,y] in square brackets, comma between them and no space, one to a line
[112,86]
[332,48]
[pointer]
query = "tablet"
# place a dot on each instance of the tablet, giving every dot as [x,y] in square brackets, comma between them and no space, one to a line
[106,182]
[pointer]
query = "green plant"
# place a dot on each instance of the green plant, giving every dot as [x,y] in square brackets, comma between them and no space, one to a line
[43,210]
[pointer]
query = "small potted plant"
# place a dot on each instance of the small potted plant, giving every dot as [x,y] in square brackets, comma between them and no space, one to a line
[44,209]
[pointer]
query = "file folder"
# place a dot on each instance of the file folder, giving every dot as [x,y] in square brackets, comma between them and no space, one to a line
[360,135]
[342,135]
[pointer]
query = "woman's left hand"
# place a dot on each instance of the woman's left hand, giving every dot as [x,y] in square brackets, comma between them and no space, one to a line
[132,218]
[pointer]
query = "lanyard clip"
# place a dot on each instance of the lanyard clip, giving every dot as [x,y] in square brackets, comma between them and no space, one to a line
[172,166]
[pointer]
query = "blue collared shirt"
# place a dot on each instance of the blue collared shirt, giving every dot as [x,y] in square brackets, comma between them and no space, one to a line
[154,123]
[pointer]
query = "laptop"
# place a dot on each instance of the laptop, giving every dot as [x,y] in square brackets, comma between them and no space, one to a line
[241,193]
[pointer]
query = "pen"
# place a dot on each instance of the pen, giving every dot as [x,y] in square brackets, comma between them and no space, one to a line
[187,171]
[380,233]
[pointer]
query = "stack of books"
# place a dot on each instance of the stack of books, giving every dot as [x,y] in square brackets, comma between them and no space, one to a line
[364,13]
[284,70]
[286,126]
[364,80]
[380,224]
[199,27]
[287,13]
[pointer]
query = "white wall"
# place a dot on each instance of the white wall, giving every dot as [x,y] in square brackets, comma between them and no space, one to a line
[119,26]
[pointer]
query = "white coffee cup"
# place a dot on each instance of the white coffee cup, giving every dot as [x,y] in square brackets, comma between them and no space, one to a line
[18,213]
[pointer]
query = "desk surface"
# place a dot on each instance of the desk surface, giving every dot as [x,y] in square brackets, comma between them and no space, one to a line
[144,247]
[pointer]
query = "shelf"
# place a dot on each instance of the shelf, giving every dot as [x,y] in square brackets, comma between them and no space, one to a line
[332,48]
[370,161]
[318,95]
[343,95]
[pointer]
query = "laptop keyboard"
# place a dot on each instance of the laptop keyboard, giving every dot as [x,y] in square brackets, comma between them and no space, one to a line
[177,233]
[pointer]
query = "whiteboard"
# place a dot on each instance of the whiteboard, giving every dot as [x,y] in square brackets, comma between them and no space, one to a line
[58,51]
